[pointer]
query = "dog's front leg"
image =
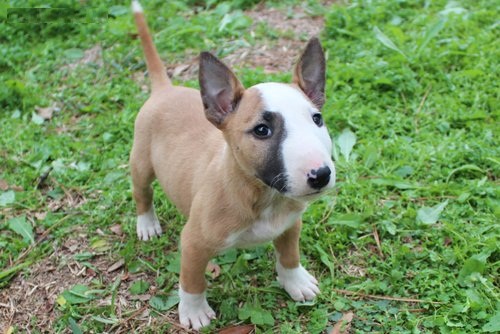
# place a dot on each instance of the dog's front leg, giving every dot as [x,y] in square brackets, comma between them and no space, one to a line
[299,284]
[194,310]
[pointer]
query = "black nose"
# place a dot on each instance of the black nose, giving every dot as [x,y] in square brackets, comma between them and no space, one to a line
[318,178]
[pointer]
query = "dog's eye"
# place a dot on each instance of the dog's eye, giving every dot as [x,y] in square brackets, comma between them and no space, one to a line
[318,120]
[262,131]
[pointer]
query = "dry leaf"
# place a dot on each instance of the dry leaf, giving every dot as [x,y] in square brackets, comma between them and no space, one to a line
[116,229]
[179,69]
[344,324]
[90,272]
[115,266]
[40,215]
[17,188]
[213,269]
[142,298]
[90,56]
[245,329]
[4,185]
[93,55]
[45,113]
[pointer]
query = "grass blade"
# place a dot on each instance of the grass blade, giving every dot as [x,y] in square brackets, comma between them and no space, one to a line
[386,40]
[431,33]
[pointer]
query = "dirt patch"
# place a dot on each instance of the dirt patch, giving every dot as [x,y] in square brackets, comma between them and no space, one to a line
[31,300]
[274,55]
[278,55]
[90,56]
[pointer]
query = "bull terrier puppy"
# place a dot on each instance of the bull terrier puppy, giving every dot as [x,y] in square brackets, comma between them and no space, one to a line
[241,163]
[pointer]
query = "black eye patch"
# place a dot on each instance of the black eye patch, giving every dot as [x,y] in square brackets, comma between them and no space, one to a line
[272,170]
[268,116]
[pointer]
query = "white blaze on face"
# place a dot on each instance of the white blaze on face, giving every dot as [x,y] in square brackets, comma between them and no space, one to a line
[306,146]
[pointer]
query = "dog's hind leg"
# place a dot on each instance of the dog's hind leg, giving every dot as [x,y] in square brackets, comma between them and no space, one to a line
[142,172]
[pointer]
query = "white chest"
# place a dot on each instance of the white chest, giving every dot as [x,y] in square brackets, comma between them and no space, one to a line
[269,226]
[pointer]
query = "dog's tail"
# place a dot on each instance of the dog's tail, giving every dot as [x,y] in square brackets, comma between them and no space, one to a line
[157,73]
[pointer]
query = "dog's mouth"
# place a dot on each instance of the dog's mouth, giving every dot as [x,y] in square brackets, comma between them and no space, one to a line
[278,183]
[311,195]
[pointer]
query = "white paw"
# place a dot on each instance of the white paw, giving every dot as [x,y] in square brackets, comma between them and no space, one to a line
[148,225]
[299,284]
[194,311]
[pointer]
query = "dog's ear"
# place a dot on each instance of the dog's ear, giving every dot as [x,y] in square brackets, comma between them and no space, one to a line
[220,89]
[309,73]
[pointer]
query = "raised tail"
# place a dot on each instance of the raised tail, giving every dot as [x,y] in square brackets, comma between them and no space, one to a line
[157,73]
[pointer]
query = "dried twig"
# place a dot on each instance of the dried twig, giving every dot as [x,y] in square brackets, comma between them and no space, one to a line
[424,98]
[377,241]
[399,299]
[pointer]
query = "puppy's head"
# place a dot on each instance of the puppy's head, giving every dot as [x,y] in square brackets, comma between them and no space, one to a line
[275,131]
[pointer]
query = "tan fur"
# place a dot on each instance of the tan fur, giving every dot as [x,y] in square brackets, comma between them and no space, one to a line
[206,178]
[287,246]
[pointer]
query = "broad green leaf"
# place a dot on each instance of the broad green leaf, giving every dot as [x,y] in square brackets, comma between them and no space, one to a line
[394,183]
[240,266]
[174,263]
[118,11]
[100,245]
[335,152]
[78,294]
[22,227]
[257,315]
[112,177]
[318,320]
[234,21]
[428,215]
[37,119]
[245,312]
[370,156]
[229,256]
[453,8]
[346,142]
[262,317]
[74,326]
[12,270]
[404,171]
[164,303]
[139,287]
[108,321]
[493,325]
[73,54]
[389,227]
[465,167]
[475,299]
[83,256]
[7,198]
[473,265]
[61,300]
[349,219]
[431,33]
[325,258]
[386,40]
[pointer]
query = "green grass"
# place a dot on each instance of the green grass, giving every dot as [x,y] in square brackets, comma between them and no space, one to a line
[412,84]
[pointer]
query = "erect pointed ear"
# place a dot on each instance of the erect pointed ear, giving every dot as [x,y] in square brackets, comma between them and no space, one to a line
[309,72]
[220,89]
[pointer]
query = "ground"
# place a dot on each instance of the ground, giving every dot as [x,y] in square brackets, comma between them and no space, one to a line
[408,243]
